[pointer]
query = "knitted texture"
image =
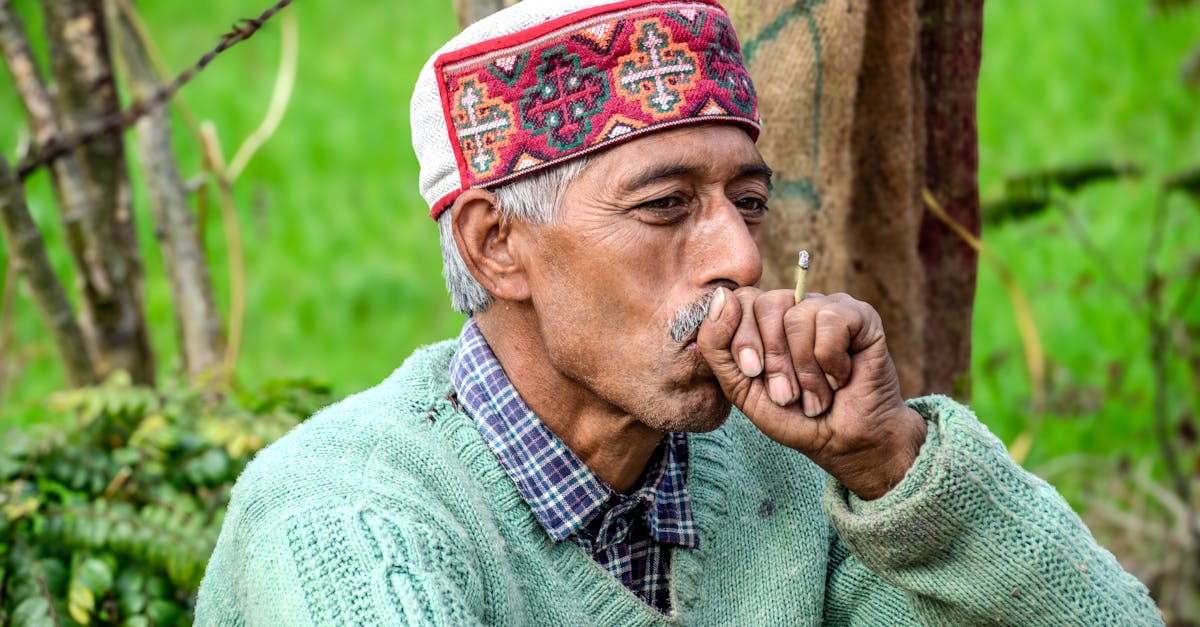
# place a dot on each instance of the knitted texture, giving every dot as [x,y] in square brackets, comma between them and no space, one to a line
[515,97]
[388,508]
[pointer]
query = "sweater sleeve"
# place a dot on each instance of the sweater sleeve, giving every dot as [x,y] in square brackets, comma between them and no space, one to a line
[969,537]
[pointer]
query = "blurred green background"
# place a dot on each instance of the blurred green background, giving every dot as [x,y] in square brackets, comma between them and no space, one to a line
[344,273]
[343,264]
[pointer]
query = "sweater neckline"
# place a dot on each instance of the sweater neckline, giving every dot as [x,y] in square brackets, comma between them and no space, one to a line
[603,596]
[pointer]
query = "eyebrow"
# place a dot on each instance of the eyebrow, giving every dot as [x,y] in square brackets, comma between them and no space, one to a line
[758,170]
[670,171]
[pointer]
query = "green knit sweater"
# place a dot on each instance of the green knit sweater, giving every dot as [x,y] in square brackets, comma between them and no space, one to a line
[387,508]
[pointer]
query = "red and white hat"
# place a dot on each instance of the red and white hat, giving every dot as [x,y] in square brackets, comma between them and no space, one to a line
[546,81]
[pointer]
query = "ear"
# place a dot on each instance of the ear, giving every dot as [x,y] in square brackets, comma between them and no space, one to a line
[484,241]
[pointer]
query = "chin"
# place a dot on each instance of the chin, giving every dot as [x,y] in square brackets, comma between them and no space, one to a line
[701,413]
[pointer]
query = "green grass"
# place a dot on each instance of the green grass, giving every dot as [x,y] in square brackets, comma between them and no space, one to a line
[343,261]
[1069,83]
[343,267]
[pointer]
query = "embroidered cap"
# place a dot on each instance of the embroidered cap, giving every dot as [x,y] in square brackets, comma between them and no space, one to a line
[546,81]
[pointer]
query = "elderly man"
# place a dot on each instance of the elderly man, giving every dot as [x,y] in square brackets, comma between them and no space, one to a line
[627,431]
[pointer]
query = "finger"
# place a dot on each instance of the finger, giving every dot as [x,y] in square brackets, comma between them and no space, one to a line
[747,345]
[714,339]
[836,326]
[769,309]
[800,327]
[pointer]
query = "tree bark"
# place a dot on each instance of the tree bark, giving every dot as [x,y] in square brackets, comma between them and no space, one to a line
[101,234]
[197,321]
[28,253]
[866,103]
[950,54]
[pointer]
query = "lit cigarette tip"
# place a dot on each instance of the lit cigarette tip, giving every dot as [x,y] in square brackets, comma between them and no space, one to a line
[801,274]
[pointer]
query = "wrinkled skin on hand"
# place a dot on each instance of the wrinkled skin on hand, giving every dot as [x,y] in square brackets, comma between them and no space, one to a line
[815,376]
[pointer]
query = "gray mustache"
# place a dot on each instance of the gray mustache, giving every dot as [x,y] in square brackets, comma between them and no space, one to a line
[686,321]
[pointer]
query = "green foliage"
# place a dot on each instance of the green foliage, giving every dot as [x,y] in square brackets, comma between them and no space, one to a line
[111,520]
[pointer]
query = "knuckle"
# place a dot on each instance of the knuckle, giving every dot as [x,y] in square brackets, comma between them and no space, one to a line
[826,353]
[811,379]
[801,313]
[776,361]
[833,317]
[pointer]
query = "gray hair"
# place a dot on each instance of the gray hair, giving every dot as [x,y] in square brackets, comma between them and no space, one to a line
[534,199]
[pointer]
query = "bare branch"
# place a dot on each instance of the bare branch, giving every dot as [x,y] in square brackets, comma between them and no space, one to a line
[29,254]
[160,65]
[127,118]
[26,77]
[198,322]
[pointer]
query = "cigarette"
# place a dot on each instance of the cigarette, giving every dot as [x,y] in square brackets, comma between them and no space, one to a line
[801,275]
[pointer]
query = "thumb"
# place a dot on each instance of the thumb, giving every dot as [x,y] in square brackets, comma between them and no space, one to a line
[714,339]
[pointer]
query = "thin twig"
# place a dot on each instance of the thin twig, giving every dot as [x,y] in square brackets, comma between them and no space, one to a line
[1159,351]
[1035,357]
[1098,258]
[142,34]
[1189,291]
[285,80]
[124,119]
[215,160]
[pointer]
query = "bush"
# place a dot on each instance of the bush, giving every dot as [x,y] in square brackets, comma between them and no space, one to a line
[112,521]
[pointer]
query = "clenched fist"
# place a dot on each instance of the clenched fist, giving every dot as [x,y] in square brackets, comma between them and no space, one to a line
[815,376]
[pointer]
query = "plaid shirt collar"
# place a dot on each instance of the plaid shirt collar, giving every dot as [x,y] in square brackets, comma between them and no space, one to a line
[564,494]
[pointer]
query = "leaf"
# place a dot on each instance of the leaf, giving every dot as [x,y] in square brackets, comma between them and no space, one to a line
[1011,208]
[80,603]
[1071,177]
[210,468]
[91,577]
[1187,181]
[164,612]
[21,508]
[33,612]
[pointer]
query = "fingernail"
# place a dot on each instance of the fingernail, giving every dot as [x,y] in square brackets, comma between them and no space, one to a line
[779,390]
[750,363]
[833,384]
[717,304]
[812,404]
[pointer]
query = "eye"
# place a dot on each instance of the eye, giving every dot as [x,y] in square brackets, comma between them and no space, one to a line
[753,208]
[665,210]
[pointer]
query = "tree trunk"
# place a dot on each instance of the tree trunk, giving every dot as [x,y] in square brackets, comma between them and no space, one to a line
[951,48]
[866,103]
[101,232]
[199,325]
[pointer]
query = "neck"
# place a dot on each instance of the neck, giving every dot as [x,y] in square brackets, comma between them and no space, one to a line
[614,445]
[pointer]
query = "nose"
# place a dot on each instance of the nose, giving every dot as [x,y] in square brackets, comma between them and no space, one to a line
[725,249]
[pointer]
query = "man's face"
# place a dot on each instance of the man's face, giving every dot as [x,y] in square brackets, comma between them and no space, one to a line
[650,228]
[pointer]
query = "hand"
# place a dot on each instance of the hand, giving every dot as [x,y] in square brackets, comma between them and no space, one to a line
[815,376]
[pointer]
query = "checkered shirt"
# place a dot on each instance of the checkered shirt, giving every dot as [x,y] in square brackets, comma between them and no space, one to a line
[627,534]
